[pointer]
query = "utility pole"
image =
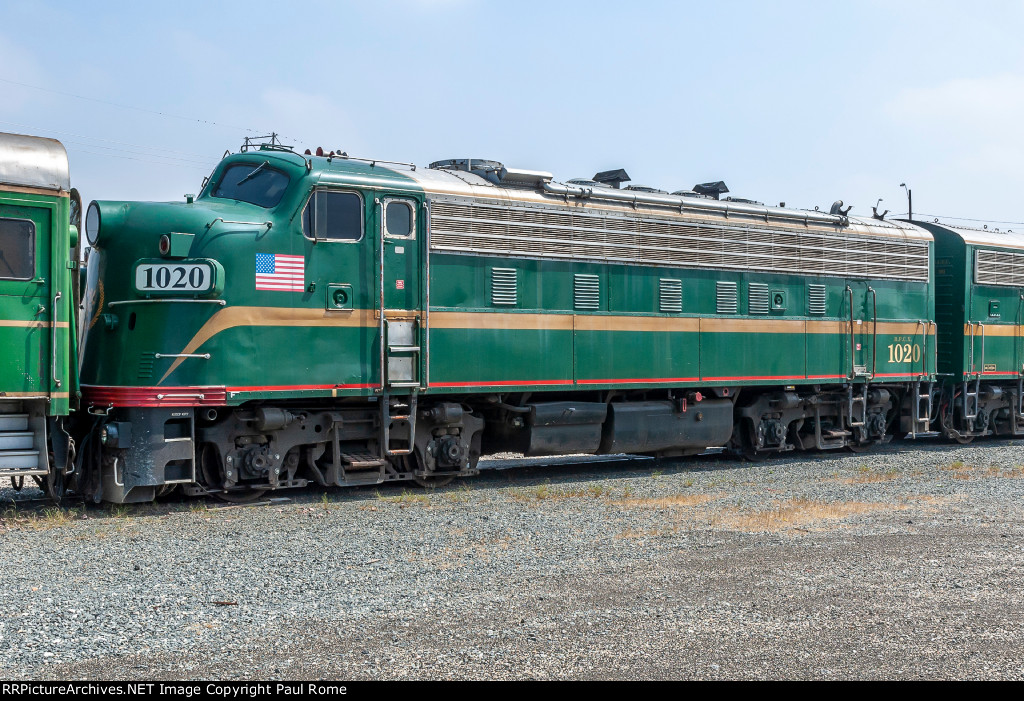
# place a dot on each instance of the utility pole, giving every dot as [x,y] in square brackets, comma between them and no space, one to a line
[910,201]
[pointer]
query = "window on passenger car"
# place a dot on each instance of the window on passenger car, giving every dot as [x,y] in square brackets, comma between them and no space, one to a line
[17,249]
[255,183]
[334,216]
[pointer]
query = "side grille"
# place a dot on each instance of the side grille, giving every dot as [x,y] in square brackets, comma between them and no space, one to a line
[999,268]
[816,300]
[546,231]
[725,298]
[757,298]
[504,287]
[146,365]
[586,291]
[671,295]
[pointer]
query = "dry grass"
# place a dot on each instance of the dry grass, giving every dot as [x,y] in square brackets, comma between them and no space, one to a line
[795,513]
[1015,472]
[867,475]
[406,499]
[41,519]
[961,471]
[460,495]
[543,492]
[668,501]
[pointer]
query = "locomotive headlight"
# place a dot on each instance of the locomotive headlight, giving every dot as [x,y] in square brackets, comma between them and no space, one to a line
[92,224]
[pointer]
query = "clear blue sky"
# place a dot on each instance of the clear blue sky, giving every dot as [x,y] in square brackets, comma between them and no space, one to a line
[803,102]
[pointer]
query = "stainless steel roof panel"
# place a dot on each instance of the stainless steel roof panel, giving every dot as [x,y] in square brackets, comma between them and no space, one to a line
[33,161]
[985,237]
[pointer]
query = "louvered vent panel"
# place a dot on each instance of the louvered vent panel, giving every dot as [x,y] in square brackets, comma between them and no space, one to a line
[671,295]
[504,287]
[816,300]
[586,291]
[725,298]
[757,298]
[999,268]
[550,232]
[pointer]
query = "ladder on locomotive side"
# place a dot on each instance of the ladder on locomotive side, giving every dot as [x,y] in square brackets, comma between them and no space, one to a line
[921,421]
[971,398]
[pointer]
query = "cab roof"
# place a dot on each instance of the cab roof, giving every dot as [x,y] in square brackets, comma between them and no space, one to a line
[33,161]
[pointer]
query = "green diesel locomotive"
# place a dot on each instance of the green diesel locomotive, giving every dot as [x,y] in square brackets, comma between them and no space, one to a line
[344,321]
[329,319]
[979,307]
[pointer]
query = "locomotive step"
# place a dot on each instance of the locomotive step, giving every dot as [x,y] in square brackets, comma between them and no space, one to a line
[20,462]
[13,422]
[835,434]
[16,440]
[360,461]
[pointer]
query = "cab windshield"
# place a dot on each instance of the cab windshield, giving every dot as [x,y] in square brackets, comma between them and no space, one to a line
[255,183]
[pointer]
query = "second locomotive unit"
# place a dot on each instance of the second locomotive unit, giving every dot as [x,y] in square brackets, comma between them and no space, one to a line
[320,318]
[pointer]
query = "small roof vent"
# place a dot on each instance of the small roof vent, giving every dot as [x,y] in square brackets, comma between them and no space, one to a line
[488,170]
[644,188]
[494,172]
[586,182]
[612,177]
[714,189]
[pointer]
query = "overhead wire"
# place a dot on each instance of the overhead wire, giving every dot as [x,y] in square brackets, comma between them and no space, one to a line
[206,122]
[146,147]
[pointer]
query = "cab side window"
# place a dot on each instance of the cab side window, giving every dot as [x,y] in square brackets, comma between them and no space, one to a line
[17,249]
[333,216]
[399,219]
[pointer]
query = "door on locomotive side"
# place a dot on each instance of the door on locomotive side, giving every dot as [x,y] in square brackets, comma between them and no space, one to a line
[400,290]
[1018,340]
[862,317]
[339,226]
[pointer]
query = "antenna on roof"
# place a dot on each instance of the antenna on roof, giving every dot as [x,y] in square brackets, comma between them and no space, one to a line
[270,142]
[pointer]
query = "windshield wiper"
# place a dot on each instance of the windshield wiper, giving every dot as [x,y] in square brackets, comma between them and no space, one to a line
[252,175]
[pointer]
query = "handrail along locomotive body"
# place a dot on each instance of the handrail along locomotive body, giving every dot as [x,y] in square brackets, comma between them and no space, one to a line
[341,321]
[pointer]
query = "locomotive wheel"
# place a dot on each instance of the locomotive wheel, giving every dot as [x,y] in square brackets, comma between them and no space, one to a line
[752,454]
[749,449]
[411,463]
[946,422]
[213,477]
[860,447]
[434,482]
[55,484]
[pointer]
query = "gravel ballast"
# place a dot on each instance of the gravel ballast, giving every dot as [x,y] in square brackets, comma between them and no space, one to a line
[906,562]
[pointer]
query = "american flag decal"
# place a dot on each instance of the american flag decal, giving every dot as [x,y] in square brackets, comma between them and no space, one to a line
[279,272]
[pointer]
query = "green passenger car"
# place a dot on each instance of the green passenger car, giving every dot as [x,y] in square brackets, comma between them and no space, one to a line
[343,321]
[38,366]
